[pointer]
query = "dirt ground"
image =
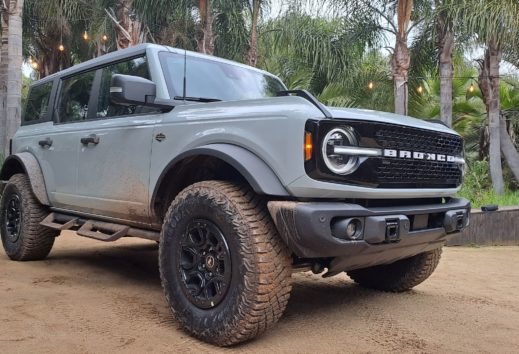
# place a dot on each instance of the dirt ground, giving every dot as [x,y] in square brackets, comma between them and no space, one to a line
[92,297]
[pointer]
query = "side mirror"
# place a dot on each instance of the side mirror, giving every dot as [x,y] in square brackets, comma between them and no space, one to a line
[130,90]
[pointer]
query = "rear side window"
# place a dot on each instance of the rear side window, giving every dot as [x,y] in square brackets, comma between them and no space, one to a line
[74,97]
[106,108]
[38,102]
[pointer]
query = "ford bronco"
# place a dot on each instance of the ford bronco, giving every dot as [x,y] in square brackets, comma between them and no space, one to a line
[240,181]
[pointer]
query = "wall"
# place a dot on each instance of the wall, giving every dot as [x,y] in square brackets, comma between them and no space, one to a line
[498,228]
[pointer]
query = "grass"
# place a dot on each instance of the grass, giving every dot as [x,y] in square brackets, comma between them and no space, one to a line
[479,198]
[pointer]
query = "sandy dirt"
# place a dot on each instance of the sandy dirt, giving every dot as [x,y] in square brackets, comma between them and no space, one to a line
[92,297]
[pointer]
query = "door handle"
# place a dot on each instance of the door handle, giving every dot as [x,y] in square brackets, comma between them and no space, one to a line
[91,139]
[47,142]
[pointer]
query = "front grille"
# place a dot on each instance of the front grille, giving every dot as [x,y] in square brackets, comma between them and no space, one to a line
[392,172]
[401,172]
[419,173]
[404,138]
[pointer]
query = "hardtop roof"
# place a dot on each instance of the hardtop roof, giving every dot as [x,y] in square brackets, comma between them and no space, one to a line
[136,50]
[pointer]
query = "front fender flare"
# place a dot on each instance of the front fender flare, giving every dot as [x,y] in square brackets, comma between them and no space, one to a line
[257,173]
[25,162]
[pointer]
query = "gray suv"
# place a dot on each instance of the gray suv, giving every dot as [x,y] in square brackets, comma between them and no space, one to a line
[240,181]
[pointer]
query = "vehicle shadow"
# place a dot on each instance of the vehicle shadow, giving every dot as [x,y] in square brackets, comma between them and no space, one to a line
[136,264]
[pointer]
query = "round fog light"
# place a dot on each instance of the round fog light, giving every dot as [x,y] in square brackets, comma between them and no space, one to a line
[353,230]
[347,229]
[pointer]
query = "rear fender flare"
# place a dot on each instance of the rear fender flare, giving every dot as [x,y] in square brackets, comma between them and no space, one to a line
[25,162]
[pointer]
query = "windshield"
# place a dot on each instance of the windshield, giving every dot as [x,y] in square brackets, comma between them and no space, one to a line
[211,79]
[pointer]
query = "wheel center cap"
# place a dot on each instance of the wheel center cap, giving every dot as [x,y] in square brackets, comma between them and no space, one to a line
[210,262]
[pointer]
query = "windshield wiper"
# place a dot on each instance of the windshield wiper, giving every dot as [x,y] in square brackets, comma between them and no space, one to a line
[197,99]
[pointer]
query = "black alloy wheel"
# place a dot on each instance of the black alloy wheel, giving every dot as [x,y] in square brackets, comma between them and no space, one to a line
[13,218]
[204,264]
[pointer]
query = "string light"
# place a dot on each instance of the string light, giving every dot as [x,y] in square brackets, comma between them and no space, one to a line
[104,38]
[471,88]
[34,65]
[420,89]
[61,47]
[371,85]
[30,60]
[85,36]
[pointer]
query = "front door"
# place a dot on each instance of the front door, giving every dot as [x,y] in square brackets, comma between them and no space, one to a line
[114,155]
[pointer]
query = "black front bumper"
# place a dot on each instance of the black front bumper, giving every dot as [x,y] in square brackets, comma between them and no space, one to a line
[312,230]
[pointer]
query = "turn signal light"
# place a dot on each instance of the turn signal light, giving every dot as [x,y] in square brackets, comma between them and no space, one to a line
[309,147]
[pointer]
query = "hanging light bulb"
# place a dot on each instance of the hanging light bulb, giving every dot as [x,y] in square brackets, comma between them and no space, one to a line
[471,88]
[61,47]
[420,89]
[104,38]
[85,36]
[371,85]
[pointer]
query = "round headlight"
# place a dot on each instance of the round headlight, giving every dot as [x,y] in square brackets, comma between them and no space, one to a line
[337,163]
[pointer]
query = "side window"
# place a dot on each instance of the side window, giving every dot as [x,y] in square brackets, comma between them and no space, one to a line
[38,102]
[74,97]
[106,108]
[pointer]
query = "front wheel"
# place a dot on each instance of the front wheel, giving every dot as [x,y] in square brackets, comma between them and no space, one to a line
[224,269]
[23,238]
[399,276]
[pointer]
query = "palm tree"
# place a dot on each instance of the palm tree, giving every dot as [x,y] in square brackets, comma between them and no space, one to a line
[395,18]
[494,24]
[445,43]
[11,63]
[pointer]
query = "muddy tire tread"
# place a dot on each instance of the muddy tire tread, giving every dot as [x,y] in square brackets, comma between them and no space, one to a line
[37,240]
[399,276]
[266,259]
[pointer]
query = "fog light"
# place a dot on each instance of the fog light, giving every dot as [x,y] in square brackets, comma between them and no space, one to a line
[349,229]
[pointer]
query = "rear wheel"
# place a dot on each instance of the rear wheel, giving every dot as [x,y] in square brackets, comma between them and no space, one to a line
[23,238]
[398,276]
[224,269]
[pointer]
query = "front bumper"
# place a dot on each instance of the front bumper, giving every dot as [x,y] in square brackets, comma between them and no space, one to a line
[313,230]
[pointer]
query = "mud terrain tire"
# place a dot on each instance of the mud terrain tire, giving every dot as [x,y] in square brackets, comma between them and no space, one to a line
[260,280]
[399,276]
[23,238]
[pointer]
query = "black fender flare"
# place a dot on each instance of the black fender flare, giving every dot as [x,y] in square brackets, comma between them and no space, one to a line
[255,171]
[25,162]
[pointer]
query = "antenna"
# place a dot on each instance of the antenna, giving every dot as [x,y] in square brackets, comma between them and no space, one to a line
[185,75]
[184,89]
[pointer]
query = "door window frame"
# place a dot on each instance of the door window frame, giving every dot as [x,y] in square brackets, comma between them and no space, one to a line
[93,102]
[50,105]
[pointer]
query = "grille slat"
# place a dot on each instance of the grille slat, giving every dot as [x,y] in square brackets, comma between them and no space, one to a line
[419,172]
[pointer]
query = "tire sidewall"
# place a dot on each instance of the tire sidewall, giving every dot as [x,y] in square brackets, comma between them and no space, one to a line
[204,323]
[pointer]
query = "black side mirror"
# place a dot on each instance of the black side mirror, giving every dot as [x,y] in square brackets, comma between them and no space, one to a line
[130,90]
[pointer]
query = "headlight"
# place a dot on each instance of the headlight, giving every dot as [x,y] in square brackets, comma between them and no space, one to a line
[339,163]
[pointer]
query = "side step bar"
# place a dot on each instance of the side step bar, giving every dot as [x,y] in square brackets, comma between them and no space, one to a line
[99,230]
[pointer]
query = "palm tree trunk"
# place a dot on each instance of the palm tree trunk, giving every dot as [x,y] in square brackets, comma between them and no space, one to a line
[252,54]
[128,29]
[3,79]
[489,84]
[445,45]
[509,151]
[14,71]
[401,57]
[206,39]
[400,68]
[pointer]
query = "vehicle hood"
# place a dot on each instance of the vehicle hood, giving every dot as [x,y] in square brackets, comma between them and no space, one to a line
[384,117]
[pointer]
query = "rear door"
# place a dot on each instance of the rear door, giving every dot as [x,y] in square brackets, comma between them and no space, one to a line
[55,143]
[114,160]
